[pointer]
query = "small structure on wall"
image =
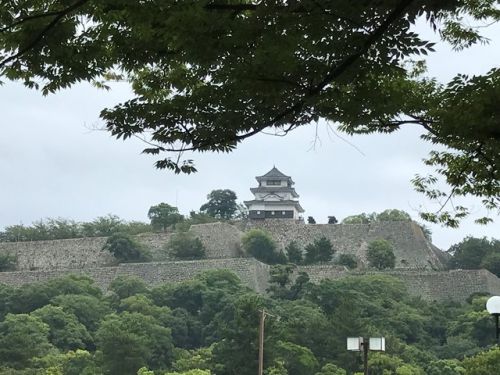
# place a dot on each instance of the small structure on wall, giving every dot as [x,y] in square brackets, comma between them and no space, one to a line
[275,198]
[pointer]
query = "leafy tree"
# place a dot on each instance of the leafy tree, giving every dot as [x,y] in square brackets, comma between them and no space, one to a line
[321,250]
[386,215]
[294,253]
[492,263]
[296,359]
[445,367]
[278,368]
[126,286]
[221,204]
[483,363]
[470,252]
[141,342]
[310,220]
[103,226]
[331,369]
[126,249]
[348,260]
[163,216]
[190,372]
[380,254]
[8,262]
[261,246]
[88,309]
[393,215]
[360,219]
[65,331]
[21,338]
[184,245]
[325,67]
[194,359]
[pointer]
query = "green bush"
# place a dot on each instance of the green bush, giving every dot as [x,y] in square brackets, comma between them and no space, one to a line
[321,250]
[294,253]
[185,245]
[347,260]
[8,262]
[380,254]
[262,247]
[126,249]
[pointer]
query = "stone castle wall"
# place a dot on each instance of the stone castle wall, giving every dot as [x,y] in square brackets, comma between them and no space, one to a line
[456,285]
[411,248]
[453,285]
[416,257]
[251,272]
[221,240]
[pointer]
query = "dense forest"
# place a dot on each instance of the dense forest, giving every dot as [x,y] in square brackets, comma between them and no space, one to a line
[209,325]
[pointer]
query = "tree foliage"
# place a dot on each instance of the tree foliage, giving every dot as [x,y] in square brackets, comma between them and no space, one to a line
[386,215]
[471,252]
[8,262]
[294,253]
[261,246]
[164,215]
[184,245]
[57,229]
[126,249]
[210,325]
[320,250]
[254,66]
[347,260]
[221,204]
[380,254]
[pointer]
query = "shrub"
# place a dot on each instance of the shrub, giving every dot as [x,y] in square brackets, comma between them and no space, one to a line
[261,246]
[294,253]
[348,260]
[8,262]
[184,245]
[321,250]
[380,254]
[126,249]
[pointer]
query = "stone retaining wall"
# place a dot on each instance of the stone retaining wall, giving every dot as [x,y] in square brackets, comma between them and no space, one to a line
[251,272]
[411,248]
[454,285]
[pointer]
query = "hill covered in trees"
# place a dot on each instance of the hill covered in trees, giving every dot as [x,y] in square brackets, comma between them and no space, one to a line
[209,325]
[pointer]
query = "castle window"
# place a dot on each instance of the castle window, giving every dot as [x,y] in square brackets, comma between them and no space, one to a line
[282,212]
[272,212]
[273,183]
[258,212]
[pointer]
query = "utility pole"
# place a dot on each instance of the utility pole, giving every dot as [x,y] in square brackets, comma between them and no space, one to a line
[365,344]
[366,347]
[261,341]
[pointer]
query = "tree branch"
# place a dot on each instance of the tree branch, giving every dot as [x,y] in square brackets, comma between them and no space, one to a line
[57,17]
[338,70]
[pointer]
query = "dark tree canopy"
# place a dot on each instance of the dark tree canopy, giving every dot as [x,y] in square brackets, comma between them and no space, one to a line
[259,244]
[184,245]
[250,66]
[474,253]
[163,215]
[221,204]
[386,215]
[380,254]
[320,250]
[126,249]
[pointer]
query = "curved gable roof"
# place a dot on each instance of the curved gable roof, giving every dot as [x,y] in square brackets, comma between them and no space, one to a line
[274,173]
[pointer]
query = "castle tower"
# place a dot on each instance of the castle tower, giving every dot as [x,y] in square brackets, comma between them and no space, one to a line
[274,198]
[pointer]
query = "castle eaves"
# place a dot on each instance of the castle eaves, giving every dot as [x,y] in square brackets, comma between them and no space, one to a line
[274,173]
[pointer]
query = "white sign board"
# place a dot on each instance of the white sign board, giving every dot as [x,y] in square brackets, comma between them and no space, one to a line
[377,344]
[354,343]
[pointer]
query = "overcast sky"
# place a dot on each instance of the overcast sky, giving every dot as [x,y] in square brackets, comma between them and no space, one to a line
[53,165]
